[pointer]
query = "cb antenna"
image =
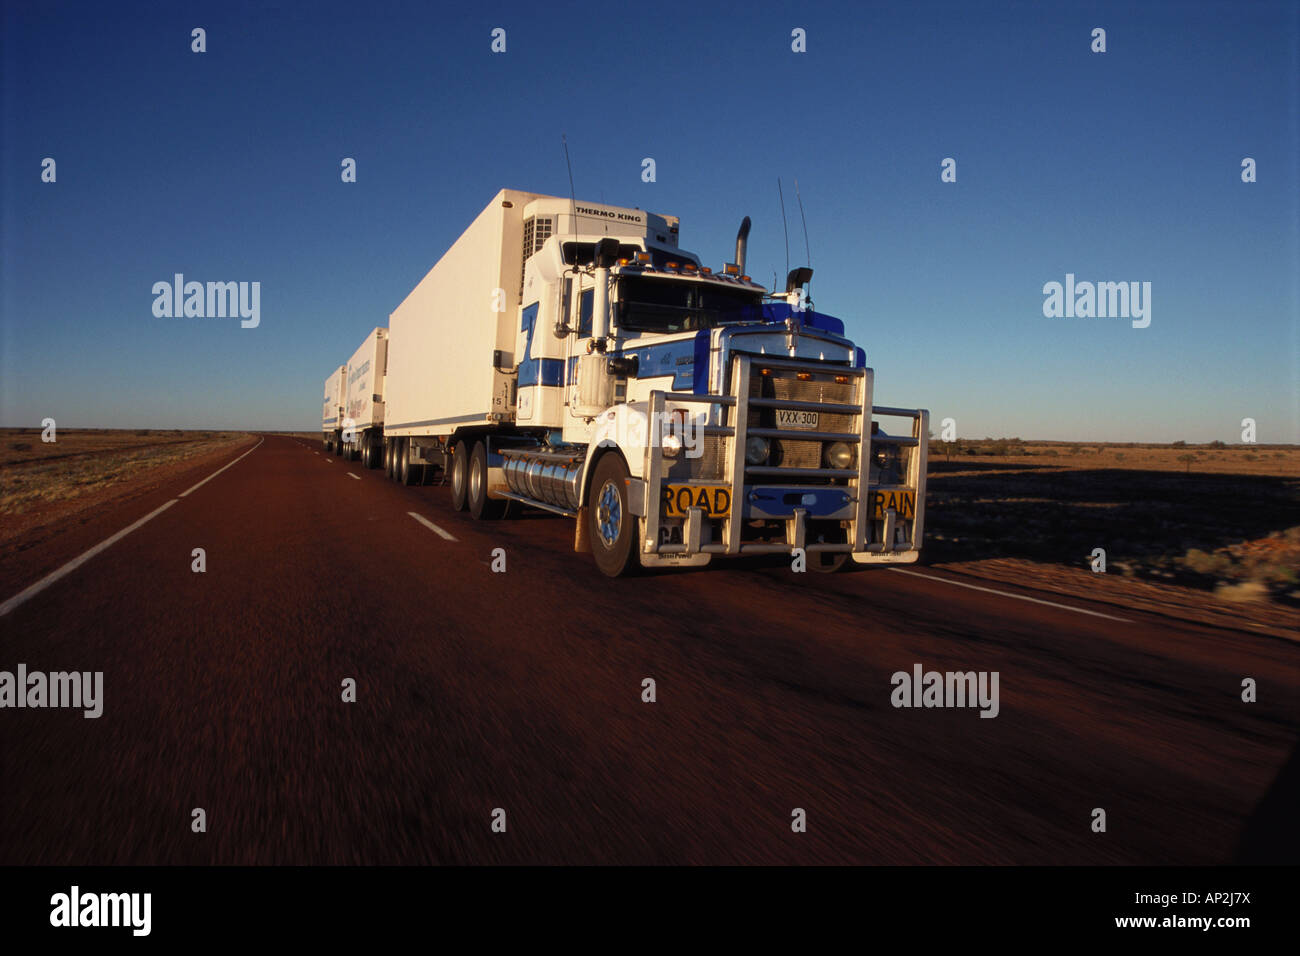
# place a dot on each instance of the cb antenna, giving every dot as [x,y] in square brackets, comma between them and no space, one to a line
[806,249]
[573,198]
[784,228]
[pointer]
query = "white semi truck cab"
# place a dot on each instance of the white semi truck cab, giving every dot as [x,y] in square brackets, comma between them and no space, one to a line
[676,412]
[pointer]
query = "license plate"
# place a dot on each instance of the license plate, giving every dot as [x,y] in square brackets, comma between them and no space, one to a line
[715,500]
[803,421]
[903,503]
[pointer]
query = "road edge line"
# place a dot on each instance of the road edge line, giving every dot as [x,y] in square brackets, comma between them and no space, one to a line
[23,596]
[1018,597]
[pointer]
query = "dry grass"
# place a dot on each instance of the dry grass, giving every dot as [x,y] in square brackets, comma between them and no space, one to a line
[1224,520]
[34,473]
[1276,460]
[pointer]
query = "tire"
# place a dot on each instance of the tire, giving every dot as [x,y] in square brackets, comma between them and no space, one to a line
[459,476]
[611,527]
[828,562]
[481,507]
[407,473]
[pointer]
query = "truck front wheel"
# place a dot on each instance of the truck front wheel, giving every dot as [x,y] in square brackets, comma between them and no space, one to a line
[459,475]
[611,526]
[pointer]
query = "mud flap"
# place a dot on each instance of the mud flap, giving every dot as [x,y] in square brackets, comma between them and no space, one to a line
[581,538]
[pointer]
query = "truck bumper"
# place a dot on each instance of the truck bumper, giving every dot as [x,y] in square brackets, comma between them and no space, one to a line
[846,515]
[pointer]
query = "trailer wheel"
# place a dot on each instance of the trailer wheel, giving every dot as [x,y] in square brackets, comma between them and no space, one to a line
[459,475]
[611,526]
[481,506]
[407,472]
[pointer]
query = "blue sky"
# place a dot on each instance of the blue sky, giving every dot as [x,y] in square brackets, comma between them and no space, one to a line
[1122,166]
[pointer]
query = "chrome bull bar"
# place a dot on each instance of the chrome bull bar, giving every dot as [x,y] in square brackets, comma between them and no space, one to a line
[865,543]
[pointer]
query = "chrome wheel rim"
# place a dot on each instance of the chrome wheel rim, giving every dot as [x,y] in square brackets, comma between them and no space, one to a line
[609,514]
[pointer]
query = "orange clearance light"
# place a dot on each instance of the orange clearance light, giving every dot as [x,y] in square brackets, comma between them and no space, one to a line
[625,262]
[690,267]
[672,265]
[804,376]
[643,257]
[841,380]
[706,270]
[731,269]
[746,279]
[765,371]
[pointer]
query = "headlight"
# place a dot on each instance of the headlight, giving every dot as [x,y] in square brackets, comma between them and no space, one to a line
[756,450]
[672,445]
[839,455]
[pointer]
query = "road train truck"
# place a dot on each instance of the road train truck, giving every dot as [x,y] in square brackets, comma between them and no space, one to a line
[363,411]
[332,415]
[570,356]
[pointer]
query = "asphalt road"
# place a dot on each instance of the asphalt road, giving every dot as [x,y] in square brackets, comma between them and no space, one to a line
[522,691]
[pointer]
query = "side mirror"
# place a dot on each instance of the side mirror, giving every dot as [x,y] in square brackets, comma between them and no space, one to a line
[798,278]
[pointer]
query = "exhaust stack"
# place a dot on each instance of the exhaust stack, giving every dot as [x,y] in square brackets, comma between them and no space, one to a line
[742,241]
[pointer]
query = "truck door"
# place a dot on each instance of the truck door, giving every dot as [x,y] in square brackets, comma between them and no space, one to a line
[579,305]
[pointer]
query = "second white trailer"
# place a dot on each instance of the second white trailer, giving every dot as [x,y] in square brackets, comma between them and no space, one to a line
[363,415]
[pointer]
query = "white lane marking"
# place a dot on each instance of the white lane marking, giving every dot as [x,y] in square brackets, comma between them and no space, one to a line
[1018,597]
[221,469]
[75,563]
[357,477]
[431,526]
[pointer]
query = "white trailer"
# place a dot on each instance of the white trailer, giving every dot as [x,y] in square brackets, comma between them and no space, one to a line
[332,410]
[363,415]
[569,356]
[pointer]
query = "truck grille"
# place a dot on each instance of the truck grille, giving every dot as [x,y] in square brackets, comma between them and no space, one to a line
[790,452]
[711,465]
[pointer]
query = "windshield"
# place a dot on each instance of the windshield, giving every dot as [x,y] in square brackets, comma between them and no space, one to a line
[662,305]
